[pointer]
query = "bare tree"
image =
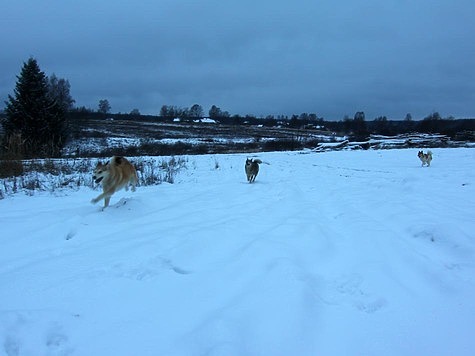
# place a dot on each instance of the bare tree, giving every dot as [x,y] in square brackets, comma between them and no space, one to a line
[104,106]
[135,112]
[59,91]
[196,111]
[216,113]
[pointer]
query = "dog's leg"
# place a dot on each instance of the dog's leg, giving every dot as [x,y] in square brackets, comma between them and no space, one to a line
[97,199]
[106,201]
[133,183]
[105,195]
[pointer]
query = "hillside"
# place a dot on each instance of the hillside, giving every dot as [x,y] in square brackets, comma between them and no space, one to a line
[149,136]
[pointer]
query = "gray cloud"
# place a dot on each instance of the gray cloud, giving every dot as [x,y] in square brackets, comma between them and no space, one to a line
[326,57]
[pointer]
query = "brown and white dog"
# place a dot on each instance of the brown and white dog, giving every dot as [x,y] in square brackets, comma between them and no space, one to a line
[425,158]
[118,173]
[252,168]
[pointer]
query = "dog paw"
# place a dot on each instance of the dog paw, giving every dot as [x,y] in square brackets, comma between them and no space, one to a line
[95,200]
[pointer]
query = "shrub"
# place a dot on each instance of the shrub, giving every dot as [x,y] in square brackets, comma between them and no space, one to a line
[51,174]
[11,168]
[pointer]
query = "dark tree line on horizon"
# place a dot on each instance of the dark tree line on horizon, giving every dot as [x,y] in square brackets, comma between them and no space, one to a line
[357,127]
[38,116]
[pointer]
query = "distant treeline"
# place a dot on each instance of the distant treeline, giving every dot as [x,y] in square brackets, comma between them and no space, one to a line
[357,127]
[39,118]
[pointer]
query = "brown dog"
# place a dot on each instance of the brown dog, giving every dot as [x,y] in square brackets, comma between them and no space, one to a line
[118,173]
[425,158]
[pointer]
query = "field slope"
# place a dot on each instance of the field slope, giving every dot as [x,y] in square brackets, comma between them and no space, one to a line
[337,253]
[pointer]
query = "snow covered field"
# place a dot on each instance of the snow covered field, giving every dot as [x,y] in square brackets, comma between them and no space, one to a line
[335,253]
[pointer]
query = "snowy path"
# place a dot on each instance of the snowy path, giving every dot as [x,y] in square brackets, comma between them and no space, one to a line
[339,253]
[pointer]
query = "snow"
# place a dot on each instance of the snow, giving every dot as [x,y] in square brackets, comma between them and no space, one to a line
[206,120]
[334,253]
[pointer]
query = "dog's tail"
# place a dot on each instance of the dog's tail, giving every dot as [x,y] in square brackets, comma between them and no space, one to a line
[429,153]
[261,162]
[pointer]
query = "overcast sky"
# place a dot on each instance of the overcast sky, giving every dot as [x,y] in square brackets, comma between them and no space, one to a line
[328,57]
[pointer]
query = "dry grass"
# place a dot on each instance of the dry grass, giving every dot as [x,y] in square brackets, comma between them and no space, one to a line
[56,174]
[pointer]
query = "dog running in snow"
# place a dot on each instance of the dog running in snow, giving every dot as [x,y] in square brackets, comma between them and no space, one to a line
[252,168]
[116,174]
[425,158]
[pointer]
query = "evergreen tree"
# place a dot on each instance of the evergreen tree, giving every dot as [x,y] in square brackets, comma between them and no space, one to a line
[33,115]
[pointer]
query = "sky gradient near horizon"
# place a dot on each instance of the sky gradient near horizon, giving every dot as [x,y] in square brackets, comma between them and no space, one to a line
[331,58]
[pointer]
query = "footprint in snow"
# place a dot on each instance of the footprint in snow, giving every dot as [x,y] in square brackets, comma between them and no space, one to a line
[146,270]
[23,327]
[372,306]
[11,346]
[350,287]
[57,343]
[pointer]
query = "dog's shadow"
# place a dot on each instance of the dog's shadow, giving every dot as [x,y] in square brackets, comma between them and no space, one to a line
[253,183]
[119,204]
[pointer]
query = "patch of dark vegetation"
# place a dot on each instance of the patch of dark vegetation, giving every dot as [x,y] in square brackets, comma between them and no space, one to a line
[11,168]
[53,174]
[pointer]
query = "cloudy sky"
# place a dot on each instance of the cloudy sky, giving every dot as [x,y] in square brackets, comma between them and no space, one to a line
[328,57]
